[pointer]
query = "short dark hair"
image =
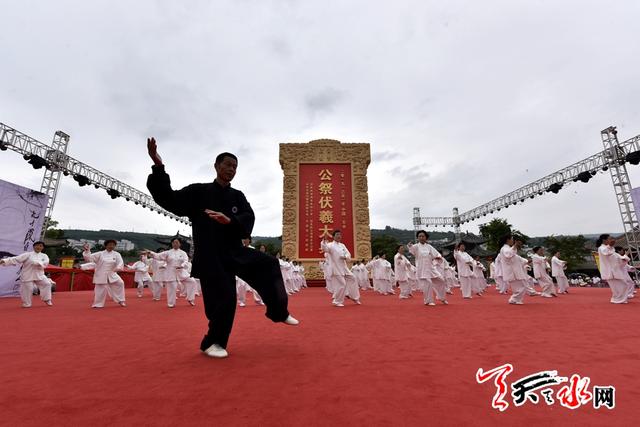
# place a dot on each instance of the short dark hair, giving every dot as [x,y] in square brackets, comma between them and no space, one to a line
[106,242]
[220,157]
[423,232]
[176,238]
[617,248]
[602,238]
[536,249]
[398,247]
[39,242]
[335,232]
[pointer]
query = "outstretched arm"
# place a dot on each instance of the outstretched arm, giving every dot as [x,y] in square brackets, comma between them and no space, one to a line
[179,202]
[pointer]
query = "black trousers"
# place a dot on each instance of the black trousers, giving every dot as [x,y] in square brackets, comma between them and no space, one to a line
[259,270]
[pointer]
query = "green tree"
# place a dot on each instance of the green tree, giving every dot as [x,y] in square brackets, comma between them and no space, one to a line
[384,244]
[496,229]
[52,232]
[572,248]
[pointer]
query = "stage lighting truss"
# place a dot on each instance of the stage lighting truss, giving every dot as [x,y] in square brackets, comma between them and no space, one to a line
[56,162]
[613,158]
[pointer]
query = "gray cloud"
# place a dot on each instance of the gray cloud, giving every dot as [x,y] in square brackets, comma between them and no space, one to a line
[461,101]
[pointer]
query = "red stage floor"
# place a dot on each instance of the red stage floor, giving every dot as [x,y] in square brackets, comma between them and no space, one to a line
[387,362]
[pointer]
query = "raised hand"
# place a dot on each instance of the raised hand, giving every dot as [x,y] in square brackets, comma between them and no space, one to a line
[86,247]
[152,148]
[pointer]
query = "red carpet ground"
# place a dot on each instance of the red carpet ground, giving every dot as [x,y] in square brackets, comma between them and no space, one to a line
[387,362]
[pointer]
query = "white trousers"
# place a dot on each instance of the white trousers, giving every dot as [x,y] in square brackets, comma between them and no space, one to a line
[156,290]
[619,291]
[466,282]
[189,285]
[548,288]
[405,288]
[26,291]
[344,285]
[501,285]
[563,283]
[429,286]
[100,292]
[141,286]
[518,289]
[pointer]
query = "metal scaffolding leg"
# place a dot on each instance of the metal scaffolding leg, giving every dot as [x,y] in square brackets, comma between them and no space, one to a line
[51,179]
[615,156]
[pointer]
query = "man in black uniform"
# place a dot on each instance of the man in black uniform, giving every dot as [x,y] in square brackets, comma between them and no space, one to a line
[221,218]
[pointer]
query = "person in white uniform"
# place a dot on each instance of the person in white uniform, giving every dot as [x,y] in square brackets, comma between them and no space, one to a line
[479,280]
[623,261]
[402,267]
[32,274]
[610,270]
[105,276]
[176,260]
[141,275]
[513,270]
[159,269]
[540,267]
[558,267]
[464,263]
[429,278]
[341,276]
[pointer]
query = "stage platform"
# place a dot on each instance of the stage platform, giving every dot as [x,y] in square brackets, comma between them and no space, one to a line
[388,362]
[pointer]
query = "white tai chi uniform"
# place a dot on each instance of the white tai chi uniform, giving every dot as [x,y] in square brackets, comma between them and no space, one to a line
[159,269]
[557,270]
[176,270]
[32,274]
[479,280]
[285,270]
[105,276]
[514,273]
[610,263]
[401,267]
[343,280]
[429,278]
[540,266]
[501,284]
[465,275]
[141,275]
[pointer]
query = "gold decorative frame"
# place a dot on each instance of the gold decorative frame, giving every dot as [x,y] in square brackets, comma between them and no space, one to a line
[325,151]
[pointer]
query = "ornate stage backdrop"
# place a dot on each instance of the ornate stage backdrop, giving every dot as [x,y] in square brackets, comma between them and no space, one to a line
[325,188]
[22,213]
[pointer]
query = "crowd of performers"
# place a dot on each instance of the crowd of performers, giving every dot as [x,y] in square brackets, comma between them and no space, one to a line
[436,278]
[168,270]
[432,274]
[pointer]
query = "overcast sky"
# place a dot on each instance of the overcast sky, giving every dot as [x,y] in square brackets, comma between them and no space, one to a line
[461,101]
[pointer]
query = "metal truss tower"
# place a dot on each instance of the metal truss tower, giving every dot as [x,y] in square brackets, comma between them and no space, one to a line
[616,158]
[55,159]
[51,178]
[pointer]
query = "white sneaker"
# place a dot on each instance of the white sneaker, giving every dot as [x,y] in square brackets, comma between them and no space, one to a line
[292,321]
[241,304]
[26,306]
[139,295]
[216,351]
[122,304]
[431,303]
[171,305]
[357,301]
[339,304]
[444,301]
[49,303]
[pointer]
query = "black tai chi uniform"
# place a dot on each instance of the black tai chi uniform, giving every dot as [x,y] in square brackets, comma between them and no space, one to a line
[219,255]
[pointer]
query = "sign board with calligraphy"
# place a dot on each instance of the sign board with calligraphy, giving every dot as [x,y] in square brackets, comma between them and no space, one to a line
[22,213]
[325,188]
[325,204]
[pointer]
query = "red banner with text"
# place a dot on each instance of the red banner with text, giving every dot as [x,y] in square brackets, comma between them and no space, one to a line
[325,204]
